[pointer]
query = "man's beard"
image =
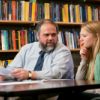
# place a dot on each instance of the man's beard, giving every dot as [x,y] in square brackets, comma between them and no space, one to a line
[47,48]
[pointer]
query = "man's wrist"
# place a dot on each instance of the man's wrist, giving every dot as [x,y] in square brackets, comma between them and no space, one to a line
[29,75]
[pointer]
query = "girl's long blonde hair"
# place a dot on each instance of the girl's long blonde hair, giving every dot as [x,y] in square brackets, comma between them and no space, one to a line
[93,27]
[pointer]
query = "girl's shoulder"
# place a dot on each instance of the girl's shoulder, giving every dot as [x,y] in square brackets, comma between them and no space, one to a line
[98,58]
[98,55]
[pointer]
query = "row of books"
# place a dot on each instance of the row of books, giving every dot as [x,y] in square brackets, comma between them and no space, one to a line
[15,39]
[17,10]
[4,63]
[70,38]
[67,12]
[31,11]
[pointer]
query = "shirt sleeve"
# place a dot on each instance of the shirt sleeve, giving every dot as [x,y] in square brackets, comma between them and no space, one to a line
[18,61]
[82,70]
[61,67]
[97,68]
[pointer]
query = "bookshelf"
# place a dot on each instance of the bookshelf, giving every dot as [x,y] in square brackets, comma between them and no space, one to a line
[13,19]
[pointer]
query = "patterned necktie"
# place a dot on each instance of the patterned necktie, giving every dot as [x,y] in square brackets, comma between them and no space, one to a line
[40,61]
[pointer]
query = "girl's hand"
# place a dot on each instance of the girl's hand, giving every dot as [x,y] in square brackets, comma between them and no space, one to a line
[84,53]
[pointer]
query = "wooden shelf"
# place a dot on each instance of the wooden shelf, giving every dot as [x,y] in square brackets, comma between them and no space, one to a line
[16,22]
[8,54]
[11,51]
[8,51]
[69,23]
[33,23]
[74,50]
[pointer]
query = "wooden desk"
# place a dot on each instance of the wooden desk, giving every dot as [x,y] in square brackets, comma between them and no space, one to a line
[45,87]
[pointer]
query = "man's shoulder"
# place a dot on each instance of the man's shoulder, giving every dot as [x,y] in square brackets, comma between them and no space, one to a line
[30,45]
[61,46]
[61,49]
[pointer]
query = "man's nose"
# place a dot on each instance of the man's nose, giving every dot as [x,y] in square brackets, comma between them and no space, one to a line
[50,37]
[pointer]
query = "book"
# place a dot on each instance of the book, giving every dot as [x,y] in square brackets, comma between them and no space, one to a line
[14,39]
[13,9]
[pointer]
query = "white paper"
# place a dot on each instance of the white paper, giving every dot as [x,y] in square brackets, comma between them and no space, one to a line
[4,71]
[7,73]
[21,82]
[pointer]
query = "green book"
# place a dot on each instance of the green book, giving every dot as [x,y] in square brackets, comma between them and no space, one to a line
[32,0]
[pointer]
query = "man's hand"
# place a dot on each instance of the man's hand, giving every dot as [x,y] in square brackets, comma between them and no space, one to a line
[20,74]
[2,78]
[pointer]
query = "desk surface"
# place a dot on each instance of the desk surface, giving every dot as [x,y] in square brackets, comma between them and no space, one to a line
[47,86]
